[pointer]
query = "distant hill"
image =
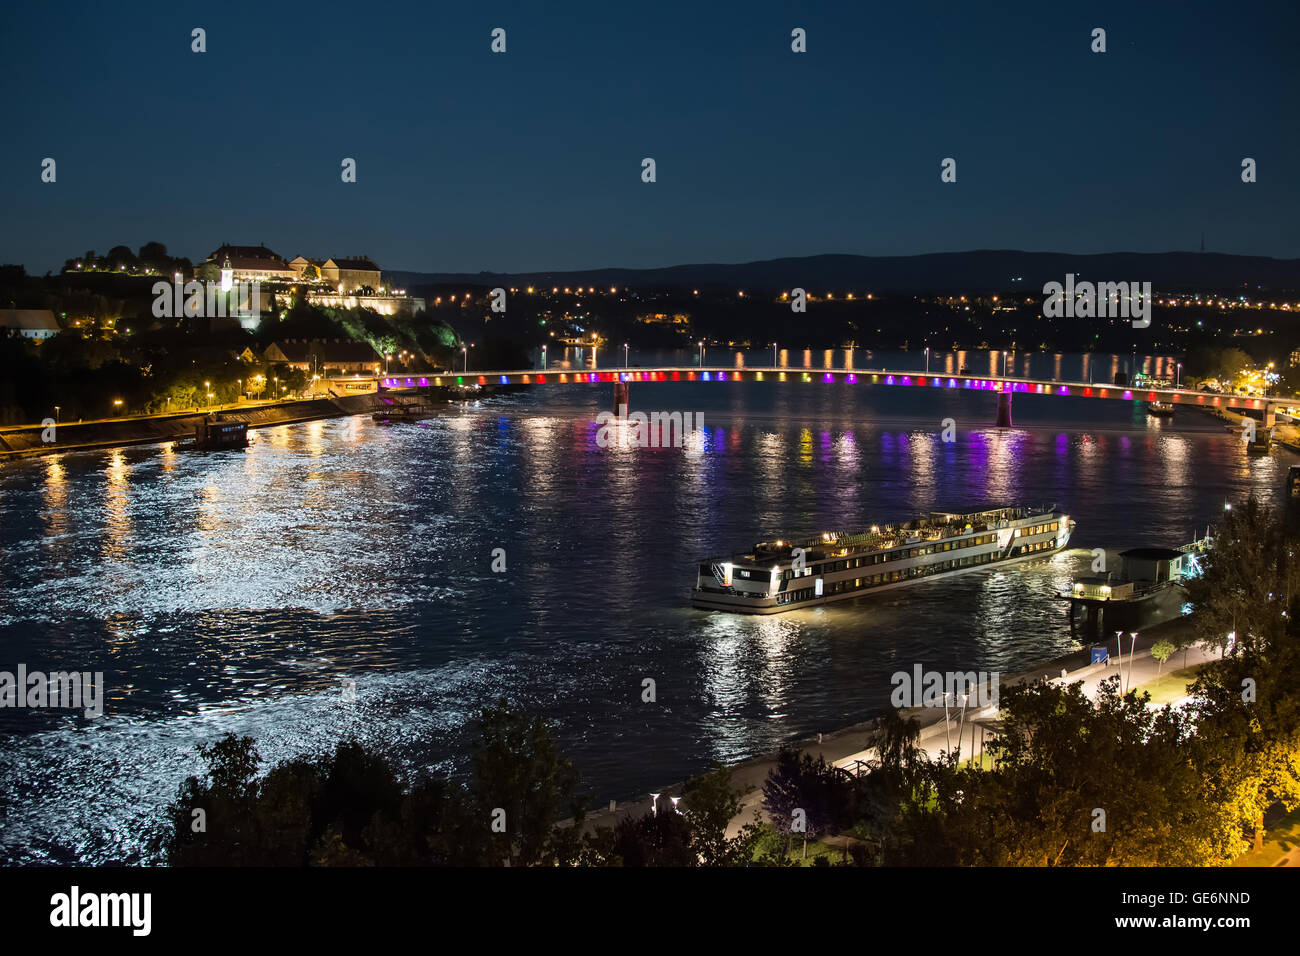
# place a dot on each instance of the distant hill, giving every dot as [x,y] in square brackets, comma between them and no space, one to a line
[978,271]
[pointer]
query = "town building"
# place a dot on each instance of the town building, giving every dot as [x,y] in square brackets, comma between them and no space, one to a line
[324,357]
[36,324]
[250,264]
[348,275]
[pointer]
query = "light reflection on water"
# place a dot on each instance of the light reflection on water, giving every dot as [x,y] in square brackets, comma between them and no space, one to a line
[235,591]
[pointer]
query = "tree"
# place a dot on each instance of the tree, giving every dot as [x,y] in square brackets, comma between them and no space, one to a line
[1243,585]
[519,773]
[1084,782]
[711,805]
[1162,650]
[655,839]
[820,794]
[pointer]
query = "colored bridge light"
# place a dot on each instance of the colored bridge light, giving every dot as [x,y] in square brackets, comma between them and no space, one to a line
[828,377]
[920,380]
[1064,390]
[541,379]
[889,380]
[907,380]
[424,381]
[722,376]
[504,381]
[952,383]
[1128,394]
[1087,392]
[853,379]
[677,376]
[706,376]
[1151,396]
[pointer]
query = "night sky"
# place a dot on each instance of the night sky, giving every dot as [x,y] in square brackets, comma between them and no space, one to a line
[469,160]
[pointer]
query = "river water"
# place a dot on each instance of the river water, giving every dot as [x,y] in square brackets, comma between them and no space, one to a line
[247,591]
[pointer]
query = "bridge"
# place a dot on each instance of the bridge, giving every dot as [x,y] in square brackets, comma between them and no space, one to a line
[1004,387]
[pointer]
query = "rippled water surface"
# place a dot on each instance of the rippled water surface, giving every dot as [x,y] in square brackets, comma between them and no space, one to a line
[236,591]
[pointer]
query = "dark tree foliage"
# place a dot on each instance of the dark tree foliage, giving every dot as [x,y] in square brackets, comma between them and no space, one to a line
[656,839]
[1246,581]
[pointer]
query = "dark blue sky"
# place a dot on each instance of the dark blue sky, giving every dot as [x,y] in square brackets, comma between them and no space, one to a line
[531,159]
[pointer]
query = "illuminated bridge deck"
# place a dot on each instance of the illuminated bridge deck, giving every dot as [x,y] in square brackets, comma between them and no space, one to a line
[886,378]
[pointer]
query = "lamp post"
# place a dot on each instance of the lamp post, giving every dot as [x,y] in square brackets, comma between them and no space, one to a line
[1131,646]
[701,345]
[927,360]
[56,414]
[543,357]
[1178,376]
[464,351]
[625,354]
[207,387]
[773,355]
[946,732]
[961,722]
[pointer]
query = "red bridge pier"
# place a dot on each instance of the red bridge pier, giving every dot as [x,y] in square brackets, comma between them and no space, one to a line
[1004,409]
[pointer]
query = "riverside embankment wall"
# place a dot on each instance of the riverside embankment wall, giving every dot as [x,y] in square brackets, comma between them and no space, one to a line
[75,436]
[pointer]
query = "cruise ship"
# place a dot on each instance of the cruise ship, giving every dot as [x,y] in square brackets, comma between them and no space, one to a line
[777,576]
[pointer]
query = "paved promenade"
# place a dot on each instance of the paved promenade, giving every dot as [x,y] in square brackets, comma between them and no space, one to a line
[849,746]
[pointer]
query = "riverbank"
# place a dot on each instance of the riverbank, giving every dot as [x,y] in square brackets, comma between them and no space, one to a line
[851,746]
[29,440]
[1286,435]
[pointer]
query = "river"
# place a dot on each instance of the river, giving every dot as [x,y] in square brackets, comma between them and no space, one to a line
[243,591]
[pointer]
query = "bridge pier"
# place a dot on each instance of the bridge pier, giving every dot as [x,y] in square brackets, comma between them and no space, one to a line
[620,395]
[1004,409]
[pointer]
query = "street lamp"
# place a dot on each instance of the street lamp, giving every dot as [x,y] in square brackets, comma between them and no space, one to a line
[946,732]
[56,414]
[464,350]
[1131,646]
[961,723]
[625,355]
[543,356]
[1178,376]
[701,345]
[927,372]
[773,355]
